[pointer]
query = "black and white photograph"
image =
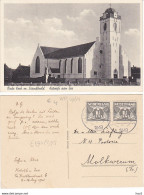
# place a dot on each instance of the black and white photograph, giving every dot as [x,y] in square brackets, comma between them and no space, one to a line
[62,44]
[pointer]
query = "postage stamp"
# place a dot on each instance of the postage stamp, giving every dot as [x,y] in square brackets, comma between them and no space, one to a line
[96,116]
[124,111]
[124,117]
[98,111]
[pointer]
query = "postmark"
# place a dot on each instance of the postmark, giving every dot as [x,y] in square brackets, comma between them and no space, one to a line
[96,116]
[124,116]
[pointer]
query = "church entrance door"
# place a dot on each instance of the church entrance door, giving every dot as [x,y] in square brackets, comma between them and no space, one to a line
[115,74]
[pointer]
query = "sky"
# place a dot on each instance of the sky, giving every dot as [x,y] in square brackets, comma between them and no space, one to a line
[63,25]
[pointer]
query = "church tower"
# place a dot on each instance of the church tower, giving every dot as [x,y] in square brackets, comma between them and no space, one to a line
[110,29]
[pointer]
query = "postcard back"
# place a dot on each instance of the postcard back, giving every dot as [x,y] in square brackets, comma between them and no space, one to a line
[71,141]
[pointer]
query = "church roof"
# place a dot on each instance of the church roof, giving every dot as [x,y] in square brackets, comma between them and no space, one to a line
[68,52]
[110,10]
[47,50]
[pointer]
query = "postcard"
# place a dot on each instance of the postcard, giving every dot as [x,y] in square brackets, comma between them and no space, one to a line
[71,141]
[74,46]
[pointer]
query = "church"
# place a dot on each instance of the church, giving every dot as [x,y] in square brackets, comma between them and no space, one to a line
[103,58]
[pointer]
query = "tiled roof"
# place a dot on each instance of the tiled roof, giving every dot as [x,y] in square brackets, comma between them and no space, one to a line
[22,70]
[68,52]
[7,71]
[47,50]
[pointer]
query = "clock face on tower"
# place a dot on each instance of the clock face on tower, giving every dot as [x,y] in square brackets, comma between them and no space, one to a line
[115,26]
[105,26]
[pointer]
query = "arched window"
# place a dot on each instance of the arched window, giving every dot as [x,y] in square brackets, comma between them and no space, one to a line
[79,65]
[65,65]
[59,65]
[37,65]
[72,65]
